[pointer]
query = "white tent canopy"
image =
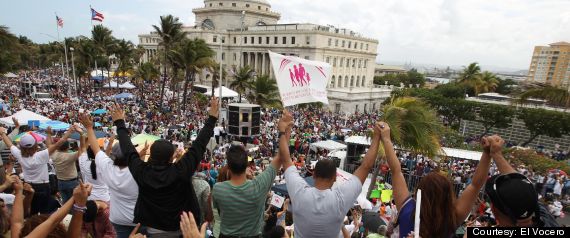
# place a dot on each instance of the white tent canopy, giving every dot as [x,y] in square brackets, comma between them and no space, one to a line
[226,93]
[99,72]
[127,85]
[361,140]
[10,75]
[461,154]
[329,145]
[23,117]
[112,84]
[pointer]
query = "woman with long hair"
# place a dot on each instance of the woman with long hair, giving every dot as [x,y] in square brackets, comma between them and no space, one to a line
[441,213]
[34,163]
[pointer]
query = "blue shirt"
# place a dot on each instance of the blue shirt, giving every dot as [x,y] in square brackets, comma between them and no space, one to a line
[406,217]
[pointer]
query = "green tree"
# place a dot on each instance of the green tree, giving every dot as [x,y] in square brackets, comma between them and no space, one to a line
[451,90]
[544,122]
[485,82]
[193,55]
[242,80]
[554,95]
[104,45]
[505,86]
[470,73]
[125,53]
[147,72]
[495,116]
[264,92]
[414,126]
[8,50]
[170,31]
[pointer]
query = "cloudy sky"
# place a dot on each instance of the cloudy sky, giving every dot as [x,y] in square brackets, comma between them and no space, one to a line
[441,32]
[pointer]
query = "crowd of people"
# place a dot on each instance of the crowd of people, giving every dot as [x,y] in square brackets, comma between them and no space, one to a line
[181,186]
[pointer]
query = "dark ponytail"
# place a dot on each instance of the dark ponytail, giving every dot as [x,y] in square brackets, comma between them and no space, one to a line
[93,166]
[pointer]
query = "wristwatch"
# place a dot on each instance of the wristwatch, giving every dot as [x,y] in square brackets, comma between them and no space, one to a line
[281,134]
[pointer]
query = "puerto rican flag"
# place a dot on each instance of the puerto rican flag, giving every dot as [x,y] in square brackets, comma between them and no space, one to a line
[96,15]
[59,21]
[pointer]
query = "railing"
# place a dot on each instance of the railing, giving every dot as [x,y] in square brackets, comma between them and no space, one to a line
[413,180]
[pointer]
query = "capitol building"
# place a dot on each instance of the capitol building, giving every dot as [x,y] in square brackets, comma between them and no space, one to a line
[245,30]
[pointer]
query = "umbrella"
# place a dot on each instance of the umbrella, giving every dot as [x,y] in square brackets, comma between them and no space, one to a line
[39,137]
[98,134]
[99,111]
[124,95]
[140,139]
[372,221]
[55,125]
[97,124]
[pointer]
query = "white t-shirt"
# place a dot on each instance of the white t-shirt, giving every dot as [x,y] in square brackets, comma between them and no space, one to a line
[320,213]
[123,189]
[217,130]
[100,190]
[34,169]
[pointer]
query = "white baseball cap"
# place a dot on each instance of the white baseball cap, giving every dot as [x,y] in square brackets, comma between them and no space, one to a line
[27,141]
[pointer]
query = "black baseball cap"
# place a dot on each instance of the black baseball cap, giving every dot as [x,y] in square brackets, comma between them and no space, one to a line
[513,194]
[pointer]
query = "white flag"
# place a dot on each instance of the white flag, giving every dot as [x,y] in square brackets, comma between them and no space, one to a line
[300,80]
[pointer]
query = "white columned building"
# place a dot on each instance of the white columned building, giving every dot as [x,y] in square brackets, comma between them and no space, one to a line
[249,28]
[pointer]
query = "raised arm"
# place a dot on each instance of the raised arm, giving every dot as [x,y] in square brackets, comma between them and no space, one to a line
[49,139]
[87,122]
[5,138]
[52,148]
[110,145]
[17,218]
[370,157]
[469,196]
[497,155]
[189,162]
[80,194]
[401,192]
[285,125]
[127,148]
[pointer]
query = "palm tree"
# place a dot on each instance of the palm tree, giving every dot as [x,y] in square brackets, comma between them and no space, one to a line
[124,53]
[485,82]
[170,30]
[414,126]
[264,92]
[554,95]
[104,44]
[192,55]
[7,43]
[146,72]
[470,72]
[242,80]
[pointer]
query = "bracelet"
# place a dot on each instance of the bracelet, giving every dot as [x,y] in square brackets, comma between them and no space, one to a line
[79,209]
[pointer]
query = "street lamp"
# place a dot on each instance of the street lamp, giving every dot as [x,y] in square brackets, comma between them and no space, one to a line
[73,68]
[221,75]
[66,64]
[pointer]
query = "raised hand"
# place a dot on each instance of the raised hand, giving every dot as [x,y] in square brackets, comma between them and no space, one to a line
[86,120]
[286,122]
[49,131]
[16,123]
[134,233]
[2,131]
[384,130]
[214,107]
[486,144]
[81,192]
[17,183]
[189,228]
[117,113]
[496,144]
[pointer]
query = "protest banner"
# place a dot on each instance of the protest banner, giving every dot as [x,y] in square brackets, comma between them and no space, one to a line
[300,80]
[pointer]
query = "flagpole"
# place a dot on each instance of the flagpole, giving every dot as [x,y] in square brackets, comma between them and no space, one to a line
[66,61]
[57,28]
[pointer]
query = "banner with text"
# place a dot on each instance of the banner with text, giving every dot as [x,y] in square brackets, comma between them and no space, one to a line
[300,80]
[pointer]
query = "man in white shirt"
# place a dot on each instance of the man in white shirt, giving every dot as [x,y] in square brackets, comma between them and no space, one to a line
[319,211]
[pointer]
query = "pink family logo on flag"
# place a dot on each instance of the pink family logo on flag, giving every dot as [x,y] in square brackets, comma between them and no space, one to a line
[300,80]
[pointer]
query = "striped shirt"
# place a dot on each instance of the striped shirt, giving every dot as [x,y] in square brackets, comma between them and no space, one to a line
[241,207]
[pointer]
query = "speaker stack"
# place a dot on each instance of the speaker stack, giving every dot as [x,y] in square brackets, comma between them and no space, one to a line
[244,119]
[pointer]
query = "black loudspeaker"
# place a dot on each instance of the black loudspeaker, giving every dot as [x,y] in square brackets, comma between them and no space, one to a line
[244,119]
